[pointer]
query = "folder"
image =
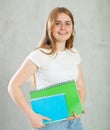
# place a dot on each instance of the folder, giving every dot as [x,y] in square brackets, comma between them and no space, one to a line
[53,107]
[70,90]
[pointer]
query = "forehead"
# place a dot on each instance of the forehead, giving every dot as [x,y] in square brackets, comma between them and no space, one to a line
[63,17]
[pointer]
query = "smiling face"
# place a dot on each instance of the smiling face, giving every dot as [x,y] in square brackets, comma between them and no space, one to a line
[62,29]
[59,31]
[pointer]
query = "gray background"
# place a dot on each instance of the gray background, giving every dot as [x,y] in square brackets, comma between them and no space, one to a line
[21,27]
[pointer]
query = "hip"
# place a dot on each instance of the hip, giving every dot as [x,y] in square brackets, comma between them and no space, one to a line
[63,125]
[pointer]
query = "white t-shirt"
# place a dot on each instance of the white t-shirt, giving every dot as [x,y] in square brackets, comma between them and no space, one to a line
[55,69]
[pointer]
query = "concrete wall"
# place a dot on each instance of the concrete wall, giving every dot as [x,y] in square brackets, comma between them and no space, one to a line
[21,26]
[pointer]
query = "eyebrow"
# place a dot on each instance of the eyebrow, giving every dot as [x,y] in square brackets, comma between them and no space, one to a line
[60,21]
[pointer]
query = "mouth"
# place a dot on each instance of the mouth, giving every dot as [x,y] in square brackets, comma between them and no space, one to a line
[62,33]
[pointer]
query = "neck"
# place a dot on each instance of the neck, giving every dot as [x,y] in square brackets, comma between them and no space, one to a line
[60,46]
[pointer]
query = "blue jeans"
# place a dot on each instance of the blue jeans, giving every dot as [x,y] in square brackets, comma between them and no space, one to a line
[63,125]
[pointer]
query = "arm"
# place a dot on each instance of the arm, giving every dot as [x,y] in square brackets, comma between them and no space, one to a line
[14,88]
[81,87]
[81,90]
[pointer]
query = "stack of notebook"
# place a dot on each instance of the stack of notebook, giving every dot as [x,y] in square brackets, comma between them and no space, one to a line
[57,102]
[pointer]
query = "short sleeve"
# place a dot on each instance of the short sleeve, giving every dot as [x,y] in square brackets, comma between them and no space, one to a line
[36,58]
[78,58]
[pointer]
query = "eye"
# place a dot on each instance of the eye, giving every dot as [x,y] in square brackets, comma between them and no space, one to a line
[57,23]
[68,23]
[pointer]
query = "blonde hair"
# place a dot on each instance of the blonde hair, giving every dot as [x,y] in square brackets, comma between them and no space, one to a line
[47,40]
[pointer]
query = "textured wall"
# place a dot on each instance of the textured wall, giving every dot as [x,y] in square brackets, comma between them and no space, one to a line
[21,26]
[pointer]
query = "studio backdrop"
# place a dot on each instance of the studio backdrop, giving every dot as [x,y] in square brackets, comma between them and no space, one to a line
[21,27]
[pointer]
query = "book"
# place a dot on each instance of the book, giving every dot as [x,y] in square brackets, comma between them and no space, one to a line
[53,107]
[70,90]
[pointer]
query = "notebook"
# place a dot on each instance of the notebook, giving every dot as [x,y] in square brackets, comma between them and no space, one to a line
[54,107]
[69,88]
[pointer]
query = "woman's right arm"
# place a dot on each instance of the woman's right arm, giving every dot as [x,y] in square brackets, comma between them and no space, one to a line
[27,69]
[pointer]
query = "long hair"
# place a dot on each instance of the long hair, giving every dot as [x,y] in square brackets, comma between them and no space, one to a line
[47,40]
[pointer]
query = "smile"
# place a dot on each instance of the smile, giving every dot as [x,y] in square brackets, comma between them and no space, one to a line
[62,33]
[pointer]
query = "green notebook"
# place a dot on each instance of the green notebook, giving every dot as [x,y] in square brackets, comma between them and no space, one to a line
[69,88]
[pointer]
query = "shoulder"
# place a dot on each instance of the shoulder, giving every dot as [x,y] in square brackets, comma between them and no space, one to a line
[76,55]
[39,52]
[38,56]
[74,51]
[34,52]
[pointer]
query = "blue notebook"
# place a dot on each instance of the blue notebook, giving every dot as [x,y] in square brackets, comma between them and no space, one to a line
[54,107]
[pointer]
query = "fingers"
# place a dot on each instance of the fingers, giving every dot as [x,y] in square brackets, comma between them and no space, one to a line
[71,118]
[38,125]
[46,118]
[37,121]
[42,125]
[76,116]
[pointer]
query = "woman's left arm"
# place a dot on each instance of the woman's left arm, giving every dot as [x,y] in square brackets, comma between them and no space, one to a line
[80,85]
[81,90]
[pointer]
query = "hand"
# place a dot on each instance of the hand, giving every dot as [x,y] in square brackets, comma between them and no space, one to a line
[36,120]
[76,116]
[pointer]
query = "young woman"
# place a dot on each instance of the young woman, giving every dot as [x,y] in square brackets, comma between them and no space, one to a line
[54,61]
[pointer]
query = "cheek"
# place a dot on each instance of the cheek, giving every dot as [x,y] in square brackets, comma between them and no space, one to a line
[54,32]
[70,30]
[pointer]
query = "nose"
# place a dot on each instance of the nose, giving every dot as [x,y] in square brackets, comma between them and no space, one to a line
[62,26]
